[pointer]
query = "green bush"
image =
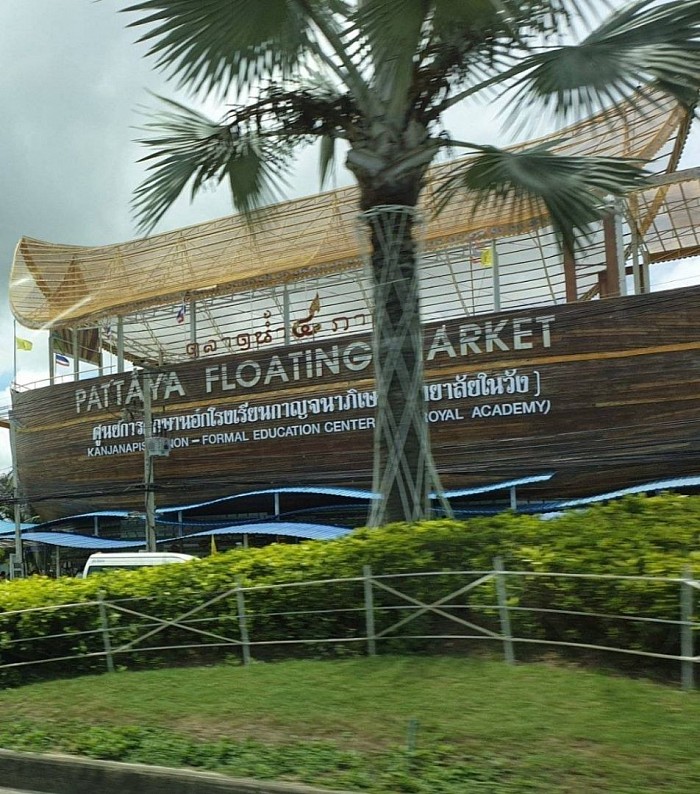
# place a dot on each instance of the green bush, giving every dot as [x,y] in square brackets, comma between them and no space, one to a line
[656,536]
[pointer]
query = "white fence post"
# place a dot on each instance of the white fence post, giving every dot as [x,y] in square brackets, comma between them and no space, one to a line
[503,612]
[369,611]
[242,623]
[106,640]
[687,664]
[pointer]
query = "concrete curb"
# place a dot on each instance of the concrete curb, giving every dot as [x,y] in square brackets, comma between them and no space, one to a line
[65,774]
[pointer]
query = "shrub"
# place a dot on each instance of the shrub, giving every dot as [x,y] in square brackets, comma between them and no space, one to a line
[656,536]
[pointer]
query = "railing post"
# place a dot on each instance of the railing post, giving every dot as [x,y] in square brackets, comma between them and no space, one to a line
[369,611]
[106,640]
[242,622]
[503,612]
[687,664]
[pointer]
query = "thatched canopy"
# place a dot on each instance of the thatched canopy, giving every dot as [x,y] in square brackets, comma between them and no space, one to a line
[63,286]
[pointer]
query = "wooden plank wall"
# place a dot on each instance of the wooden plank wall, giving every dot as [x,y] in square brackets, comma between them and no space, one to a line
[605,394]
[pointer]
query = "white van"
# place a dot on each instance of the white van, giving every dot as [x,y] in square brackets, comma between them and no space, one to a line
[128,561]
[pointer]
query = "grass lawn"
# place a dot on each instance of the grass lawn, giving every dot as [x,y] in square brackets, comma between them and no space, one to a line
[392,724]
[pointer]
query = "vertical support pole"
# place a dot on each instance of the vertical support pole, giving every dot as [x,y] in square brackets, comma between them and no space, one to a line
[179,530]
[76,354]
[570,285]
[242,622]
[57,561]
[612,274]
[193,323]
[276,507]
[496,277]
[96,526]
[369,611]
[14,351]
[120,344]
[98,353]
[646,283]
[687,664]
[503,612]
[620,246]
[52,362]
[245,540]
[637,273]
[513,499]
[18,569]
[286,315]
[150,497]
[106,641]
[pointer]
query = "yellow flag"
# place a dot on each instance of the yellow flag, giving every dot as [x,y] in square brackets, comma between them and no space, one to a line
[487,257]
[213,545]
[23,344]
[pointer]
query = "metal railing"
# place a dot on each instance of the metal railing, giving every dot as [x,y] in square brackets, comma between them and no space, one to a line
[371,611]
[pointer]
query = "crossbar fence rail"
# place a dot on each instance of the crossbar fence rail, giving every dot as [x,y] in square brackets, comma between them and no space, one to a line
[460,605]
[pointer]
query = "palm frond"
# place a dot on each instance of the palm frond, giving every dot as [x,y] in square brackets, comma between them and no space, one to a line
[517,19]
[465,16]
[475,43]
[212,44]
[642,43]
[326,157]
[189,149]
[392,26]
[392,31]
[571,190]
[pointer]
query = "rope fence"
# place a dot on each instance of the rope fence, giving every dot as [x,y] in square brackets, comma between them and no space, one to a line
[404,612]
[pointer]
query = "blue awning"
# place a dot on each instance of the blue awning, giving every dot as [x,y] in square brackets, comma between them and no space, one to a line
[8,527]
[499,486]
[95,514]
[285,528]
[656,485]
[69,540]
[34,533]
[282,528]
[345,493]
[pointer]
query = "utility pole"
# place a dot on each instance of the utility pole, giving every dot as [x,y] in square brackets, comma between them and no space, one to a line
[17,571]
[148,465]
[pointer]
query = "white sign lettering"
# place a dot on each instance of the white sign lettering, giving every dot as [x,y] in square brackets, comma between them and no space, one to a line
[469,340]
[245,419]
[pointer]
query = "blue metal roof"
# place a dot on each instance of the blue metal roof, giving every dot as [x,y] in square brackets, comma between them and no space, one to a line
[7,527]
[355,493]
[285,528]
[349,493]
[96,514]
[656,485]
[498,486]
[68,540]
[317,531]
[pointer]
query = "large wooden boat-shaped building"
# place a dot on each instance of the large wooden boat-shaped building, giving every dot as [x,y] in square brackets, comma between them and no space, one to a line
[573,376]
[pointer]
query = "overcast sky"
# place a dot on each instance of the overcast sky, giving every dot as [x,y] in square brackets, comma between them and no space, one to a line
[73,85]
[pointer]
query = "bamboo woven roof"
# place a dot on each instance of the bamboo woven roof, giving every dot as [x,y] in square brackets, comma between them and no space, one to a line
[54,285]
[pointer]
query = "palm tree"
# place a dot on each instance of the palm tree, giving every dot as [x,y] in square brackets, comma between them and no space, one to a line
[7,493]
[7,500]
[379,75]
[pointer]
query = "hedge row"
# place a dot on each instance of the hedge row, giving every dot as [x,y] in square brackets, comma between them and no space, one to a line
[657,536]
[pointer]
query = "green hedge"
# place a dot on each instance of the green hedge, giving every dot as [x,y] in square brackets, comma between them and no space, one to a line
[656,536]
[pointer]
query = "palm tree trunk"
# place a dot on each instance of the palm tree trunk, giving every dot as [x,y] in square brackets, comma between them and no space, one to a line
[404,471]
